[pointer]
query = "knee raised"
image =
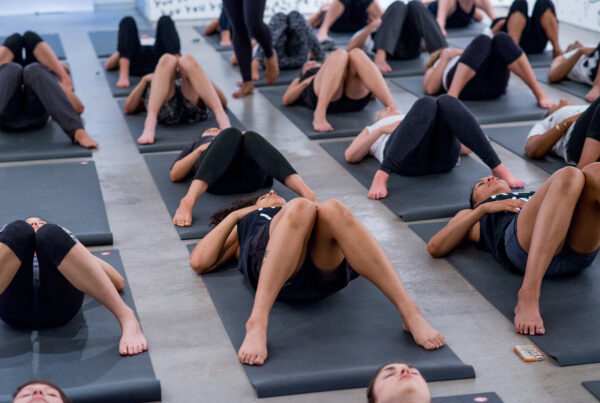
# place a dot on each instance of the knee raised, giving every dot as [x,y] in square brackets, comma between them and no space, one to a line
[520,6]
[12,70]
[570,179]
[339,55]
[187,62]
[335,211]
[47,236]
[592,175]
[167,61]
[300,211]
[426,103]
[503,39]
[127,22]
[33,71]
[20,232]
[413,5]
[31,39]
[357,54]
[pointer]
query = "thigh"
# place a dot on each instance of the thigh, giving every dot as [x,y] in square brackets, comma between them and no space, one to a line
[318,80]
[187,89]
[354,88]
[584,233]
[324,250]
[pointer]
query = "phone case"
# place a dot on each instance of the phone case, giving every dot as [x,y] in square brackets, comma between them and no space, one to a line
[529,353]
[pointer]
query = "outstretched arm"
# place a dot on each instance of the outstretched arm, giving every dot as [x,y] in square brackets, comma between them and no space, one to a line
[294,91]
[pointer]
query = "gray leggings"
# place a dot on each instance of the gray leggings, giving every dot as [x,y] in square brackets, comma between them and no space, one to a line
[29,95]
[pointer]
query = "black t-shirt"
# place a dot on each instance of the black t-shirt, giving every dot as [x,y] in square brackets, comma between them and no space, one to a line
[492,227]
[247,228]
[190,148]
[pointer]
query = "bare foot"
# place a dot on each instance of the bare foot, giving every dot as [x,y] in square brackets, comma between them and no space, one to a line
[271,68]
[593,94]
[254,348]
[222,120]
[464,150]
[503,173]
[255,66]
[320,124]
[527,316]
[123,83]
[233,60]
[423,333]
[246,88]
[148,134]
[225,38]
[82,138]
[133,340]
[382,64]
[183,215]
[544,101]
[378,188]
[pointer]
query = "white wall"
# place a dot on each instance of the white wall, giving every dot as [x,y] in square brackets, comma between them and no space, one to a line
[582,13]
[14,7]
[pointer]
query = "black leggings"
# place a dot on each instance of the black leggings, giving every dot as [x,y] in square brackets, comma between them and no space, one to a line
[489,57]
[38,297]
[224,24]
[236,163]
[143,59]
[403,26]
[246,20]
[354,17]
[28,95]
[28,41]
[588,125]
[534,38]
[428,139]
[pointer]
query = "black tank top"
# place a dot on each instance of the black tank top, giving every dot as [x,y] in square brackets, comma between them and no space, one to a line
[249,226]
[493,226]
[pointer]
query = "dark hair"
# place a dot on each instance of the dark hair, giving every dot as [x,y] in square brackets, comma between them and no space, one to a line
[371,398]
[220,215]
[64,397]
[471,201]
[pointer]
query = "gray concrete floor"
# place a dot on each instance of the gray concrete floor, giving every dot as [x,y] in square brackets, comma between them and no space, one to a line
[191,353]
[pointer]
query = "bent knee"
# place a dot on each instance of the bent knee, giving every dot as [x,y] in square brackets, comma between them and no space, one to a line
[427,103]
[570,179]
[592,175]
[12,70]
[33,71]
[336,211]
[300,211]
[19,231]
[339,55]
[357,54]
[127,21]
[167,60]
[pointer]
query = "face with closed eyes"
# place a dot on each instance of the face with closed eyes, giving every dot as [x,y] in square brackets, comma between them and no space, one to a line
[212,131]
[35,222]
[486,187]
[270,199]
[400,383]
[38,393]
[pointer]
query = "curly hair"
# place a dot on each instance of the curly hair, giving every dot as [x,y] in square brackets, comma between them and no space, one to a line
[63,396]
[220,215]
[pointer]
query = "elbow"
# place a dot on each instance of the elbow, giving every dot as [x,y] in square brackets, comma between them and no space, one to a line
[350,157]
[128,110]
[534,153]
[430,90]
[197,265]
[174,177]
[79,108]
[553,77]
[286,101]
[434,249]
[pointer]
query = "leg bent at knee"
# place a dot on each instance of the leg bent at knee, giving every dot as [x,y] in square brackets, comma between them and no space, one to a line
[188,62]
[592,176]
[19,236]
[53,243]
[299,211]
[335,212]
[570,179]
[167,60]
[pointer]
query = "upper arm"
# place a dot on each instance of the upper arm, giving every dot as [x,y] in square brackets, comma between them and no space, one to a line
[360,146]
[291,94]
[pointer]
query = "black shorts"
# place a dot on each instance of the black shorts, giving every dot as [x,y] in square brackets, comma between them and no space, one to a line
[344,104]
[309,283]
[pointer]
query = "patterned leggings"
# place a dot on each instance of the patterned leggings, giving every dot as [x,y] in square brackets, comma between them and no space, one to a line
[292,39]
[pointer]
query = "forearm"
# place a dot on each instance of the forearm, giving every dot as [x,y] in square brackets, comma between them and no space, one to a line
[455,232]
[135,99]
[561,67]
[432,83]
[537,147]
[359,40]
[294,91]
[359,148]
[183,167]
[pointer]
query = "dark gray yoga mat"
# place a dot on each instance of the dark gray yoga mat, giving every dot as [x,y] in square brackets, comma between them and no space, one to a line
[417,197]
[543,59]
[593,387]
[213,40]
[53,40]
[66,193]
[285,76]
[336,343]
[470,31]
[172,193]
[344,124]
[81,357]
[403,68]
[488,397]
[572,87]
[112,77]
[569,306]
[514,137]
[105,42]
[514,106]
[171,137]
[48,142]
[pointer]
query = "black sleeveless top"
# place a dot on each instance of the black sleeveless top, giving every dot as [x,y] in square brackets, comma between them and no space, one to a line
[493,226]
[249,226]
